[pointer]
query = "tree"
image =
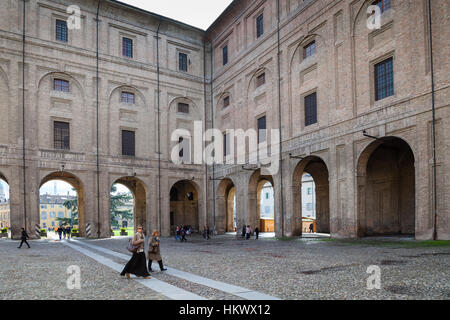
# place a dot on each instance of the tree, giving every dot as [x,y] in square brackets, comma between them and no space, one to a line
[118,204]
[71,205]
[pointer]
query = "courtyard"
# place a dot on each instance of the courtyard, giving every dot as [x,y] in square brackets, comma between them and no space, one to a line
[230,268]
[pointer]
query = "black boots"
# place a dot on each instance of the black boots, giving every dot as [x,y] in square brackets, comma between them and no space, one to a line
[150,266]
[161,266]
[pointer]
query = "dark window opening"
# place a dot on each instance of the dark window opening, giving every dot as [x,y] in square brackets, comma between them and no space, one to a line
[309,50]
[182,62]
[226,102]
[61,30]
[225,55]
[61,135]
[382,4]
[127,97]
[261,129]
[183,107]
[260,80]
[127,47]
[259,26]
[311,109]
[384,79]
[128,143]
[61,85]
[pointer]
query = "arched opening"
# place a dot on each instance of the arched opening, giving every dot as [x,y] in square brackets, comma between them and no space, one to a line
[311,196]
[5,214]
[261,195]
[128,205]
[184,205]
[386,188]
[61,204]
[226,203]
[121,207]
[266,206]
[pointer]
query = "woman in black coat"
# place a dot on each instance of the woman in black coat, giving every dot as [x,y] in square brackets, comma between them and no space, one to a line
[137,264]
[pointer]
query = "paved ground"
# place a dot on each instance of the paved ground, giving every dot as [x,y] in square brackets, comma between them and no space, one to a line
[299,269]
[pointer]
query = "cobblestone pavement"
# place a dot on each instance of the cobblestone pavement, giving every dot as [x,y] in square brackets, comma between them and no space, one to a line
[296,269]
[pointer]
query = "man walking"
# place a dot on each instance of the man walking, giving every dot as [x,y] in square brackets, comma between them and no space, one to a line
[68,230]
[24,238]
[60,232]
[257,233]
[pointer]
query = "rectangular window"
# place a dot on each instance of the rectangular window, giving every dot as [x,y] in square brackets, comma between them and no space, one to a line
[127,47]
[311,109]
[61,85]
[128,143]
[61,30]
[184,149]
[260,80]
[225,55]
[309,50]
[183,107]
[127,97]
[267,196]
[383,4]
[182,61]
[261,129]
[226,102]
[226,144]
[260,25]
[61,136]
[384,79]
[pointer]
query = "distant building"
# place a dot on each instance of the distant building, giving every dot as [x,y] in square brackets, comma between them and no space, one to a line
[308,197]
[4,213]
[52,207]
[126,223]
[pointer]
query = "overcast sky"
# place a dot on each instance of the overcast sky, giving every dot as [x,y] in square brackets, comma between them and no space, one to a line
[197,13]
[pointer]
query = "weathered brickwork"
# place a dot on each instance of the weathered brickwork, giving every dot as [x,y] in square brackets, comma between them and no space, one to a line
[364,186]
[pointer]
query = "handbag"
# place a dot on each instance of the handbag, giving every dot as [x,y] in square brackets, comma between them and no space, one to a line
[131,247]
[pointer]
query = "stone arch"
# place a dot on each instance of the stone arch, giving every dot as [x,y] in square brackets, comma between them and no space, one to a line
[226,190]
[185,197]
[132,89]
[64,75]
[139,191]
[78,185]
[256,183]
[258,71]
[386,185]
[318,169]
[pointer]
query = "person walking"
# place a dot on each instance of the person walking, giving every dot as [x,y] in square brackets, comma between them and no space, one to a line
[154,251]
[208,232]
[24,238]
[64,232]
[68,231]
[248,232]
[137,263]
[60,232]
[183,234]
[244,231]
[257,233]
[311,228]
[177,233]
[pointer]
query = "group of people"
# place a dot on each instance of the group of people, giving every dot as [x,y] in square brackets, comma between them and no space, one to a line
[247,232]
[137,264]
[63,232]
[182,232]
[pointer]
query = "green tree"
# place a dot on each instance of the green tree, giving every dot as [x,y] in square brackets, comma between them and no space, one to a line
[71,205]
[118,204]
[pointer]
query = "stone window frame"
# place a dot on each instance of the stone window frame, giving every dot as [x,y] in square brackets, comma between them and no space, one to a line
[306,46]
[62,17]
[61,78]
[227,56]
[258,77]
[133,38]
[257,118]
[188,60]
[372,63]
[226,98]
[256,20]
[52,135]
[127,92]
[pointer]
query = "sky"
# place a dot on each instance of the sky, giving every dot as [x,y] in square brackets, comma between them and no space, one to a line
[197,13]
[63,187]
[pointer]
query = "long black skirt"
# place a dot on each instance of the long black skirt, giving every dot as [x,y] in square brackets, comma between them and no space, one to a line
[137,265]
